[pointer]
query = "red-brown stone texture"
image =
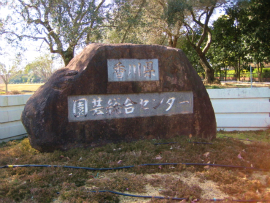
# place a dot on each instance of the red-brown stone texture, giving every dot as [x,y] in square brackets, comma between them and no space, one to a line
[45,115]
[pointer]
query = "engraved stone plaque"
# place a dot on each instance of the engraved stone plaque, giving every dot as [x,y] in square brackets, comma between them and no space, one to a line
[113,93]
[132,70]
[129,105]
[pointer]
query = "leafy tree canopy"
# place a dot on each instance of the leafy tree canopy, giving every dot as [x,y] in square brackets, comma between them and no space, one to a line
[42,67]
[62,24]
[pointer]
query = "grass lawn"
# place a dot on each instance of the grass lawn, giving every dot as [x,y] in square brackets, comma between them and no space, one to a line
[20,88]
[31,88]
[236,85]
[59,184]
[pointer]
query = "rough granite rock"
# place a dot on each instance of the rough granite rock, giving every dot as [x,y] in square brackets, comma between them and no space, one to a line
[45,115]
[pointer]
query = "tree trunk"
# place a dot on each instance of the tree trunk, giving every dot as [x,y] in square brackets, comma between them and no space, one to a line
[237,70]
[172,40]
[6,88]
[239,66]
[67,55]
[225,73]
[6,81]
[220,75]
[259,67]
[209,71]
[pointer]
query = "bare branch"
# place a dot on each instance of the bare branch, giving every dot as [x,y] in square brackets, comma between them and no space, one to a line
[199,20]
[80,14]
[22,36]
[208,43]
[62,25]
[162,4]
[191,41]
[69,12]
[206,31]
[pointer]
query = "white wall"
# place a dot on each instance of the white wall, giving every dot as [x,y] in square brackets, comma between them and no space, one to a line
[11,107]
[235,109]
[241,108]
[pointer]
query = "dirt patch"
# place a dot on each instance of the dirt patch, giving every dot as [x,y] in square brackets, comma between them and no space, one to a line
[209,188]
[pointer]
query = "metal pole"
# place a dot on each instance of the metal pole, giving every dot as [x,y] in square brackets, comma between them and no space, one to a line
[250,76]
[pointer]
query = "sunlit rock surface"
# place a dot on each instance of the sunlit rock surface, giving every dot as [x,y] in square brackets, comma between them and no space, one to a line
[103,96]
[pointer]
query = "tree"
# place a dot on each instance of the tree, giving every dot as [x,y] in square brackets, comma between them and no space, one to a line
[191,54]
[132,17]
[42,67]
[170,19]
[227,34]
[219,52]
[165,20]
[132,22]
[201,13]
[256,30]
[242,35]
[125,22]
[196,20]
[61,24]
[144,22]
[6,72]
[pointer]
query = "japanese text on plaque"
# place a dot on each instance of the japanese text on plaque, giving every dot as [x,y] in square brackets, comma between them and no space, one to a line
[99,107]
[132,70]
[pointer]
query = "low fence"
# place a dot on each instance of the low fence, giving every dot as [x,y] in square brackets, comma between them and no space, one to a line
[11,107]
[241,108]
[235,109]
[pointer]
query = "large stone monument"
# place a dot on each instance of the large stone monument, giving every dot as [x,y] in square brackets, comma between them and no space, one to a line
[119,92]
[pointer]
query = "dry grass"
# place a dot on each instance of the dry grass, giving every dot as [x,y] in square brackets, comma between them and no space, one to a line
[31,88]
[20,88]
[36,184]
[234,84]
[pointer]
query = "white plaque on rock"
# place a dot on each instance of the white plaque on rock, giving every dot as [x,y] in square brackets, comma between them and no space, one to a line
[132,70]
[111,106]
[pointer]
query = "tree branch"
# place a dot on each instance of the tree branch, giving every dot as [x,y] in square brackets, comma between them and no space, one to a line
[69,13]
[188,38]
[22,36]
[80,15]
[136,16]
[208,43]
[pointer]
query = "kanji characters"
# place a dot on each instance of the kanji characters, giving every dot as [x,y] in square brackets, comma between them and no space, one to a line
[129,108]
[97,106]
[129,105]
[119,70]
[123,69]
[108,106]
[139,69]
[80,107]
[113,107]
[148,69]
